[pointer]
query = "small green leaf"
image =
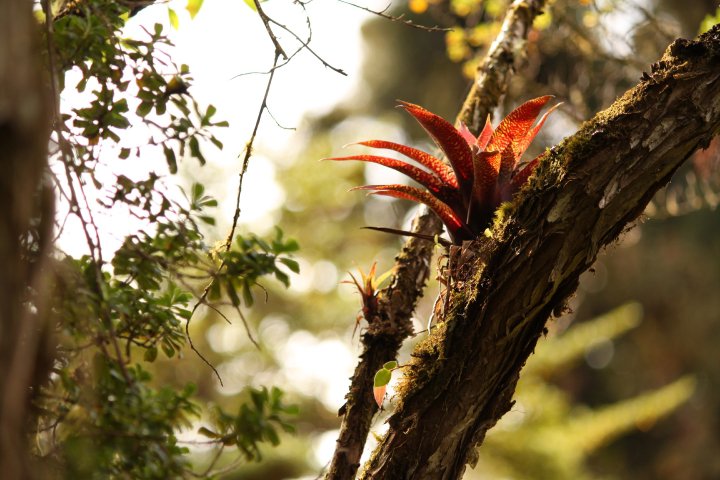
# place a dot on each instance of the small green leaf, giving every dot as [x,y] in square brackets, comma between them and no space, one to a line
[168,350]
[217,143]
[382,377]
[197,190]
[193,7]
[251,4]
[206,432]
[124,153]
[150,354]
[391,365]
[247,295]
[173,18]
[170,158]
[291,264]
[143,109]
[232,293]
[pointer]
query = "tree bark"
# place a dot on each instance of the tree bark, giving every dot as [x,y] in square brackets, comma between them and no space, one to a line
[582,197]
[26,217]
[390,325]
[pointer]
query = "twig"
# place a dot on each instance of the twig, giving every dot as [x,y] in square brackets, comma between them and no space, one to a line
[236,216]
[306,46]
[266,21]
[400,18]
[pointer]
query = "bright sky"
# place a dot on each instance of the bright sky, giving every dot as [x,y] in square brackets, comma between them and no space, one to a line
[224,40]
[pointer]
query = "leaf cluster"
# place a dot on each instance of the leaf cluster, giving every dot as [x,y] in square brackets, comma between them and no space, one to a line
[256,422]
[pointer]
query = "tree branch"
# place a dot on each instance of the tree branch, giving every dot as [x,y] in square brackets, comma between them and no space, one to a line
[391,324]
[583,196]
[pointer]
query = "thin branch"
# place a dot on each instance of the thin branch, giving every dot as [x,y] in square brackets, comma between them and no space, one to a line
[400,18]
[236,216]
[306,46]
[266,21]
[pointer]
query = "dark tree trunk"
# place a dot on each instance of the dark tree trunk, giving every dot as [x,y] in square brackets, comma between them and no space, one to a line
[585,193]
[25,224]
[390,325]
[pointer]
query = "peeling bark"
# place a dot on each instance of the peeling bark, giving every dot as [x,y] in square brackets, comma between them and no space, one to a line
[585,192]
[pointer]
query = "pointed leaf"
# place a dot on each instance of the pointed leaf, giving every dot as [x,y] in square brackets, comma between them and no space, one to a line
[428,180]
[437,166]
[467,135]
[447,137]
[487,167]
[446,214]
[379,394]
[525,142]
[516,125]
[508,160]
[485,135]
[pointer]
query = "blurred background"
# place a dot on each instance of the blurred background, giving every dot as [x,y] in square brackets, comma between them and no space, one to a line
[632,394]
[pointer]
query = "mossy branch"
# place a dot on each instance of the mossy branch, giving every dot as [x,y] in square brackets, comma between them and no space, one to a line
[391,325]
[584,194]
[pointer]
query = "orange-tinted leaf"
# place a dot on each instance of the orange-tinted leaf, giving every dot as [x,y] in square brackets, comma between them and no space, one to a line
[435,164]
[508,160]
[379,394]
[487,166]
[485,135]
[525,142]
[446,214]
[517,124]
[448,139]
[428,180]
[467,134]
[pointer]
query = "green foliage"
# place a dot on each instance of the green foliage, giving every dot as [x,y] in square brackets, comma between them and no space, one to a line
[103,414]
[256,422]
[254,258]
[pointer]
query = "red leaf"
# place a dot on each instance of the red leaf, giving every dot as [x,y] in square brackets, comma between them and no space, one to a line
[508,160]
[428,180]
[485,135]
[446,214]
[447,138]
[435,164]
[515,127]
[467,135]
[525,142]
[487,166]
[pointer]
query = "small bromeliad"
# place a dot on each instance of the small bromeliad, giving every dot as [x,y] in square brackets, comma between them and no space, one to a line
[483,171]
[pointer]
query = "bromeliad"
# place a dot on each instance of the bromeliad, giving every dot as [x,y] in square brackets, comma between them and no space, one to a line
[484,171]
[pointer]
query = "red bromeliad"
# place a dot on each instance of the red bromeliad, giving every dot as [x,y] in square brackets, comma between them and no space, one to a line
[483,171]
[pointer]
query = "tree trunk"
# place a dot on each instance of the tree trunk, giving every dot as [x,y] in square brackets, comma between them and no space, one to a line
[586,191]
[26,217]
[390,325]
